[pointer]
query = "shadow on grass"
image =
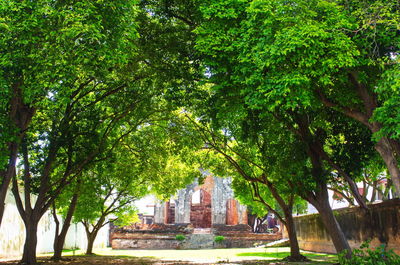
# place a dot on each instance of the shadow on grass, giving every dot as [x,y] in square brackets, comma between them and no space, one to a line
[281,255]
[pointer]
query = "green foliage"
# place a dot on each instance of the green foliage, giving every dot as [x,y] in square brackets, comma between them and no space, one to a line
[49,49]
[366,255]
[180,237]
[219,239]
[388,113]
[290,59]
[157,157]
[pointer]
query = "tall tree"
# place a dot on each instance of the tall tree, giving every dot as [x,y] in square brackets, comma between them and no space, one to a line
[107,195]
[78,115]
[272,58]
[250,161]
[159,157]
[47,48]
[338,54]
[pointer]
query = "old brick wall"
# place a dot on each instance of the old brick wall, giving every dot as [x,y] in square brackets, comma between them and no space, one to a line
[232,215]
[170,213]
[381,225]
[200,215]
[162,236]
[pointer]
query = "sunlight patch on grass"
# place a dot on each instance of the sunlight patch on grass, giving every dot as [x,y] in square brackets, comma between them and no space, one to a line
[280,255]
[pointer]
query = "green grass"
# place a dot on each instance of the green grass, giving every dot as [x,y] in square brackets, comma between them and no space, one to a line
[280,255]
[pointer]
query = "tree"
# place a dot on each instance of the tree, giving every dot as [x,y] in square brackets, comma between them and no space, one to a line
[305,54]
[65,204]
[249,162]
[77,115]
[89,78]
[159,157]
[107,192]
[271,60]
[50,48]
[272,198]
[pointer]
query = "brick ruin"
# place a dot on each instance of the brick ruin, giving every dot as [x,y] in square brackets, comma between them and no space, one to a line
[216,205]
[199,212]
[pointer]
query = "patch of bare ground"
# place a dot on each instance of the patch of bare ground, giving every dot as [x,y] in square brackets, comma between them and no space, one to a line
[122,260]
[118,260]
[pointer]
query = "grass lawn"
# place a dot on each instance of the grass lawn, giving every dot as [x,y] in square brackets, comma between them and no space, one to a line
[201,256]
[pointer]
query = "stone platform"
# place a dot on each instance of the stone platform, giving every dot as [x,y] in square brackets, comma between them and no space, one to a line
[164,237]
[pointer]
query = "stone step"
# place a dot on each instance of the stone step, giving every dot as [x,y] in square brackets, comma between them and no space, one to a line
[202,231]
[198,241]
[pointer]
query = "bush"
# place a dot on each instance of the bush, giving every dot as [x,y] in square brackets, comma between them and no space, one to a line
[180,237]
[366,256]
[219,239]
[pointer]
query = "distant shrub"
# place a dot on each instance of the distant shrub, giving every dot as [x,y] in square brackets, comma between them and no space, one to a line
[180,237]
[367,256]
[219,239]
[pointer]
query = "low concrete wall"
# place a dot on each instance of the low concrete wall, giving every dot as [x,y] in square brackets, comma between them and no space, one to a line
[381,225]
[163,237]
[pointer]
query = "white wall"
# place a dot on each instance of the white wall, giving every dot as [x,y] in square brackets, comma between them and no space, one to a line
[12,233]
[335,204]
[76,237]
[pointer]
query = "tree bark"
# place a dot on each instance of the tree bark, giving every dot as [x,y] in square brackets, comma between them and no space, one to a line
[29,255]
[59,239]
[332,226]
[320,201]
[288,221]
[91,237]
[384,149]
[319,197]
[30,216]
[20,116]
[293,242]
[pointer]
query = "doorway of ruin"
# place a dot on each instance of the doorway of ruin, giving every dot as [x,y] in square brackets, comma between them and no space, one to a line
[200,214]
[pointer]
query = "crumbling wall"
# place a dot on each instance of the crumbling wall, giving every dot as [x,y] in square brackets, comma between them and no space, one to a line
[163,237]
[222,192]
[159,212]
[200,215]
[380,225]
[183,203]
[217,206]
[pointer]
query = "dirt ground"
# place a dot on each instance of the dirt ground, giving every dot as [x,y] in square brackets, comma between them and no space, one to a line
[117,260]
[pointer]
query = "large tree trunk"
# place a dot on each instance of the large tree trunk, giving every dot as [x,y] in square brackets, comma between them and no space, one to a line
[384,149]
[91,237]
[319,197]
[293,242]
[332,226]
[20,116]
[59,239]
[29,255]
[288,222]
[320,201]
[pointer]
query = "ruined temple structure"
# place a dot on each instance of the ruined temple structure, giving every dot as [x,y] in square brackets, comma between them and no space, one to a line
[199,213]
[203,206]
